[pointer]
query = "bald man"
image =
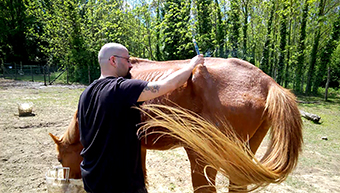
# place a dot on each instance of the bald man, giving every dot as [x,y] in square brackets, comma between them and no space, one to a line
[108,124]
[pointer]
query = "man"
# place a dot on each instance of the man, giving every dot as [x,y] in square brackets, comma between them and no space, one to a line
[108,124]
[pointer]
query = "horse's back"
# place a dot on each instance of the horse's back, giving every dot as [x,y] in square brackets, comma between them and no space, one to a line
[237,80]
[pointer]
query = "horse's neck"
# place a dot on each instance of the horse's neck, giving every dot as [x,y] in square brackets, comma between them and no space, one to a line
[152,71]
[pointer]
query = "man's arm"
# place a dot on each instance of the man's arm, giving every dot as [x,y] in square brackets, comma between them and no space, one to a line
[172,82]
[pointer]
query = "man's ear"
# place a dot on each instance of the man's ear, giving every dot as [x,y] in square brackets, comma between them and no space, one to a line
[112,61]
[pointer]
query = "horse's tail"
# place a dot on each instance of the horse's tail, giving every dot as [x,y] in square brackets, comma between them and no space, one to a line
[286,132]
[225,152]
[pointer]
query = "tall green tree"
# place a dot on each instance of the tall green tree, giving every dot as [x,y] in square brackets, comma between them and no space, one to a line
[159,8]
[234,26]
[176,29]
[301,49]
[264,64]
[203,24]
[313,55]
[245,11]
[283,42]
[326,53]
[218,30]
[16,43]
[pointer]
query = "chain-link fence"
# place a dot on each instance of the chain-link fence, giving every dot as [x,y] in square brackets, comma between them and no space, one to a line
[34,73]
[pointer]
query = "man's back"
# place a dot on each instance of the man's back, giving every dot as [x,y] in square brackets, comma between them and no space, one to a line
[108,128]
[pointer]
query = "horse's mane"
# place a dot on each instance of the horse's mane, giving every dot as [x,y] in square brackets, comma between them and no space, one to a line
[72,135]
[135,60]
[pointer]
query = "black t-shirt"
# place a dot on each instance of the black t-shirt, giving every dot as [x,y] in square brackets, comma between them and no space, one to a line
[108,126]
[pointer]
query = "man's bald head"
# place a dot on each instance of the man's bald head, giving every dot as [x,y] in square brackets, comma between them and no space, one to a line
[109,50]
[114,61]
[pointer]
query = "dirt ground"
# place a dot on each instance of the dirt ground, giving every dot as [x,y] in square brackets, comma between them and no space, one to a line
[27,152]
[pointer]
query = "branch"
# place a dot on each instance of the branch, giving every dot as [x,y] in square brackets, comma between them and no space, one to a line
[309,116]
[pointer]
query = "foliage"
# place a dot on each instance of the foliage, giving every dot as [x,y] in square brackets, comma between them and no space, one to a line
[176,29]
[283,42]
[285,38]
[301,49]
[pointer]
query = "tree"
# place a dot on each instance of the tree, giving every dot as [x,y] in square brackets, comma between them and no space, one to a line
[264,64]
[177,38]
[313,55]
[158,54]
[245,10]
[218,30]
[17,44]
[326,54]
[234,26]
[301,49]
[283,42]
[203,24]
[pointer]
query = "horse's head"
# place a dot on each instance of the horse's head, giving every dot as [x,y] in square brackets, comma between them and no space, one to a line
[69,148]
[69,156]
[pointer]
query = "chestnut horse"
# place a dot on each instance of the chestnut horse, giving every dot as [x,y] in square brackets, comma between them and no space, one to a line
[222,91]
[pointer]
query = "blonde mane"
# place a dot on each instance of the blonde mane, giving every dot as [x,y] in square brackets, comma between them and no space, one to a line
[72,135]
[135,60]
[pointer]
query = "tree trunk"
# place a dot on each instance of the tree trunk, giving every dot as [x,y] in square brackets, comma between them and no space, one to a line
[310,73]
[298,85]
[235,23]
[288,54]
[264,64]
[245,27]
[150,48]
[89,73]
[327,83]
[326,53]
[310,116]
[283,42]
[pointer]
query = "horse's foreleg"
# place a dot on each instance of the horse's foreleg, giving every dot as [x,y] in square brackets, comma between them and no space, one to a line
[143,159]
[199,181]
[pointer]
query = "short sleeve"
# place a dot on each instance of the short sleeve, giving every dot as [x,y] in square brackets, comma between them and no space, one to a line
[130,89]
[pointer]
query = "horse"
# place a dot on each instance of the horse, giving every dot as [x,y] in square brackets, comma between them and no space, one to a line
[231,91]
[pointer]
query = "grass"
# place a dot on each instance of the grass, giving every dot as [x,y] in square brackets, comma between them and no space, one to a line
[320,157]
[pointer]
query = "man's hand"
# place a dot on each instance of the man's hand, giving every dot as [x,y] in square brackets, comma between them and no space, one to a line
[197,60]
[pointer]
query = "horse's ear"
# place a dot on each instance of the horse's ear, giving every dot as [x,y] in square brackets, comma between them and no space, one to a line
[55,139]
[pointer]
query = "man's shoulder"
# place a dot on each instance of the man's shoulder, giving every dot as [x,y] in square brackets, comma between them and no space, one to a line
[131,82]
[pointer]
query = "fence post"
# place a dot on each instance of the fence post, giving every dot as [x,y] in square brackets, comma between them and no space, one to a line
[15,71]
[3,68]
[67,75]
[49,75]
[44,75]
[32,73]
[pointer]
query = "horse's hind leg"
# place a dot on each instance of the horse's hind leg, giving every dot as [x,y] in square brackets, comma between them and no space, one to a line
[256,140]
[254,143]
[199,181]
